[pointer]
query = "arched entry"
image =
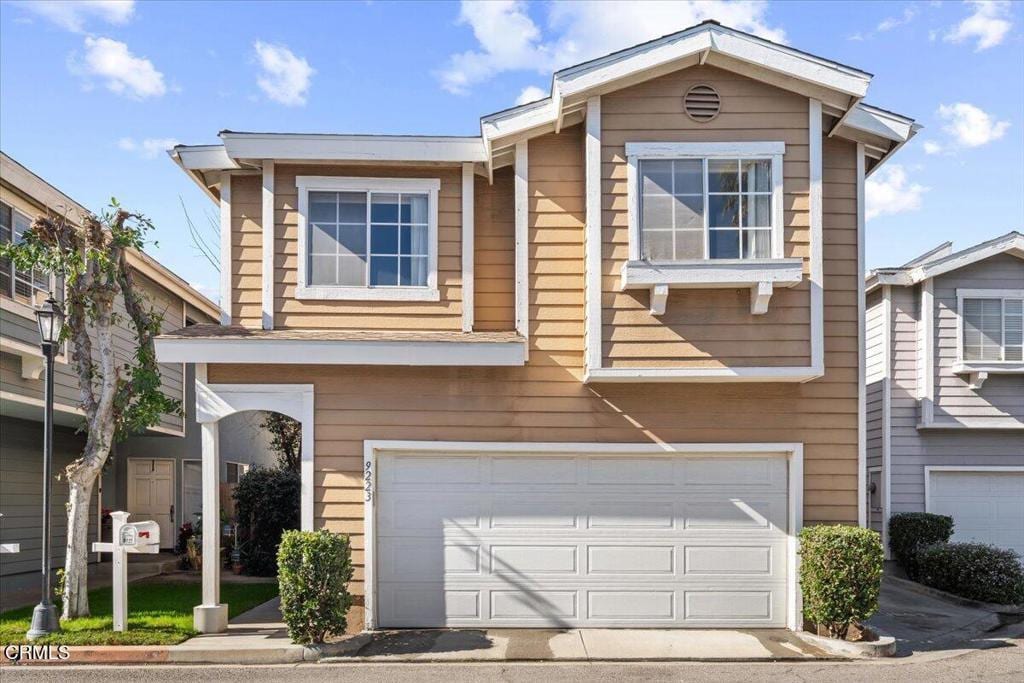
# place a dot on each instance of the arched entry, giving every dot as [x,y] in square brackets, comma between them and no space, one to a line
[213,403]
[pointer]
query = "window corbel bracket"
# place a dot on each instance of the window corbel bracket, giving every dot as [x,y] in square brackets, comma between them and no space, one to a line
[760,295]
[976,379]
[659,299]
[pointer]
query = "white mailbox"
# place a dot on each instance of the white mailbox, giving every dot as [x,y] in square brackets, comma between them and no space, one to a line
[129,537]
[140,537]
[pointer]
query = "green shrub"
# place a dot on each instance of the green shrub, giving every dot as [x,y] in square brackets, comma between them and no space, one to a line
[266,503]
[909,531]
[840,575]
[313,570]
[973,570]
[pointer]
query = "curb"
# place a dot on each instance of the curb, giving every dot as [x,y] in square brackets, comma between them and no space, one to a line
[175,654]
[1007,614]
[885,646]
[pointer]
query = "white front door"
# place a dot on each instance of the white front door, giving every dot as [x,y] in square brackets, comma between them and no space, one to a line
[151,495]
[986,506]
[581,541]
[191,491]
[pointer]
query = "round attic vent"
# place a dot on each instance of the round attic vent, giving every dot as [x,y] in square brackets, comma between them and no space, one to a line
[701,103]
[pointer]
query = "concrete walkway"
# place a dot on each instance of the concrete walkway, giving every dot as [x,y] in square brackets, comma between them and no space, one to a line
[259,634]
[926,623]
[473,645]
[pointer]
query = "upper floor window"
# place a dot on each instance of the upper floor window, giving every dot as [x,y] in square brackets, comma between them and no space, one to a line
[993,327]
[368,238]
[25,286]
[692,201]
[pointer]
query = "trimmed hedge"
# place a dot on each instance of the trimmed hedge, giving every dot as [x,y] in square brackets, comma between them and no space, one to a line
[910,531]
[973,570]
[313,571]
[840,575]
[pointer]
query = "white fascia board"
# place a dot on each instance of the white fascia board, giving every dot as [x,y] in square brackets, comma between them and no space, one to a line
[719,39]
[341,352]
[704,375]
[203,157]
[1012,243]
[326,147]
[881,123]
[520,119]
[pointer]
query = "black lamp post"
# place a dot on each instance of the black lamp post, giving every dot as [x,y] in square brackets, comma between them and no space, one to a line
[51,321]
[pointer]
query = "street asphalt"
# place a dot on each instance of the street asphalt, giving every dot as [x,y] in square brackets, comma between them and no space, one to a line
[997,657]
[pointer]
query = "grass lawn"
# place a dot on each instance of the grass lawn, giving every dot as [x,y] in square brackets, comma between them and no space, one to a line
[158,614]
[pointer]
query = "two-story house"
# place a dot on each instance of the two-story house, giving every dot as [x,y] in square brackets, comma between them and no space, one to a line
[593,367]
[945,382]
[153,476]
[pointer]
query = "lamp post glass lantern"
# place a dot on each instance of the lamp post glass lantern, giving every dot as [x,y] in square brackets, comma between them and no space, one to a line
[50,318]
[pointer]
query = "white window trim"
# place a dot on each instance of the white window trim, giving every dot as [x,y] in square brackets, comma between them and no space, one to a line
[695,273]
[17,307]
[430,186]
[977,371]
[793,452]
[639,151]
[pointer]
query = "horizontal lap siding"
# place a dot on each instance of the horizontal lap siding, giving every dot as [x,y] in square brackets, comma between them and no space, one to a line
[546,401]
[1000,395]
[914,449]
[290,312]
[246,250]
[875,371]
[705,328]
[494,254]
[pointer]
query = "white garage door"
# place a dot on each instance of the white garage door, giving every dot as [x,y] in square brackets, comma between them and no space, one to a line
[513,540]
[986,507]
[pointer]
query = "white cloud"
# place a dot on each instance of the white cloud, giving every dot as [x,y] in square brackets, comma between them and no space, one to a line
[988,24]
[149,148]
[889,191]
[510,40]
[969,126]
[285,78]
[932,147]
[72,15]
[122,72]
[890,23]
[531,93]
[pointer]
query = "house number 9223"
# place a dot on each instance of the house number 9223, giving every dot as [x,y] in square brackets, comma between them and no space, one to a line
[368,481]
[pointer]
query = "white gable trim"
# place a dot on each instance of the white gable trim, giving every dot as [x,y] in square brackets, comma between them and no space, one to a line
[327,147]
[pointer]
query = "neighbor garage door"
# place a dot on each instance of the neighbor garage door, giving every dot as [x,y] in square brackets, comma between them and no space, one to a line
[581,540]
[986,507]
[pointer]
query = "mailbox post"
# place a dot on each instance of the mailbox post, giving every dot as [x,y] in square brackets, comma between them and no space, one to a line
[136,537]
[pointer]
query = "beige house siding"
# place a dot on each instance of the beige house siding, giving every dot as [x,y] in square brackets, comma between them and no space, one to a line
[290,312]
[494,252]
[246,250]
[546,401]
[703,328]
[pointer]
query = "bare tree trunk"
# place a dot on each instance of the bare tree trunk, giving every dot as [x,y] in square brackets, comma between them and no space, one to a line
[76,589]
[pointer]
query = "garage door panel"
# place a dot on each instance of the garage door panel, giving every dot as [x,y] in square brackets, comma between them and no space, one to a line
[598,545]
[525,560]
[532,513]
[632,605]
[417,470]
[986,507]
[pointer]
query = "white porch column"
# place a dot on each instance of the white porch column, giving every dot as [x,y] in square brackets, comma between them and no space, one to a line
[211,616]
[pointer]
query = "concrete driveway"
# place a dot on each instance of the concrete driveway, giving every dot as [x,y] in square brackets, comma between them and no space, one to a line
[479,645]
[926,623]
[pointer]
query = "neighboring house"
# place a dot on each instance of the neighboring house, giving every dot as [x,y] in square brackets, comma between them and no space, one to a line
[945,383]
[595,367]
[145,474]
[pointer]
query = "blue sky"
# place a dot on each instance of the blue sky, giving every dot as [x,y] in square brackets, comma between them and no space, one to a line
[93,91]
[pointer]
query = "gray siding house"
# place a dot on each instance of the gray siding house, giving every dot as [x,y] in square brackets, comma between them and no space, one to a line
[153,476]
[945,390]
